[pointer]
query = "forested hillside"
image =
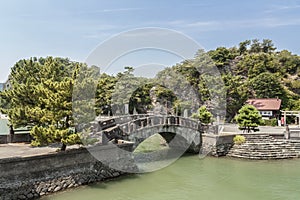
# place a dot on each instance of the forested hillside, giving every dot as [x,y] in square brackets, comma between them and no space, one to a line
[42,91]
[252,69]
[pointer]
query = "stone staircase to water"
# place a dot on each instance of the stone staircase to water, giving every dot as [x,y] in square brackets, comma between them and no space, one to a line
[296,144]
[265,147]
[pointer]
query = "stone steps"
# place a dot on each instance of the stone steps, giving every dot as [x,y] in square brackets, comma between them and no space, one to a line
[265,147]
[262,157]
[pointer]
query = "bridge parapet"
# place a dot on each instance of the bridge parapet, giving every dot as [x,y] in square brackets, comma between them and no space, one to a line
[136,128]
[119,127]
[152,121]
[104,122]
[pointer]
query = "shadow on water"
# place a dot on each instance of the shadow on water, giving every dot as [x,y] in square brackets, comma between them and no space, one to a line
[104,184]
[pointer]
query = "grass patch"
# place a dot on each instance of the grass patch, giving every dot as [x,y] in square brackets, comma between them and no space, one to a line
[239,139]
[154,143]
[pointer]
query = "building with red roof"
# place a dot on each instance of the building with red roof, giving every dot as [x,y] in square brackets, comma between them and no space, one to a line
[268,108]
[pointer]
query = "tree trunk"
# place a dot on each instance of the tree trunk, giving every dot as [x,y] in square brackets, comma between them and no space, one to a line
[63,147]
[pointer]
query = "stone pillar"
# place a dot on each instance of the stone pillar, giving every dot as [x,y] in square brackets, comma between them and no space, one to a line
[105,139]
[161,121]
[185,113]
[126,110]
[287,132]
[10,138]
[169,120]
[284,118]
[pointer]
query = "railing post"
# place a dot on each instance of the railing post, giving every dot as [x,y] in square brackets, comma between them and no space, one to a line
[142,123]
[129,127]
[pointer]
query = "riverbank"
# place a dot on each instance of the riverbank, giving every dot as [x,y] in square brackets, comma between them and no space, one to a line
[191,178]
[28,173]
[30,177]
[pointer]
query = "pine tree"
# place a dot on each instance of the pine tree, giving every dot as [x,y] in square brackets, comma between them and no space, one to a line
[41,97]
[203,115]
[248,118]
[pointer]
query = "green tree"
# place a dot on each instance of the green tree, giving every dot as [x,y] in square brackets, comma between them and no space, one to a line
[290,63]
[243,46]
[41,97]
[267,85]
[248,118]
[105,88]
[140,99]
[203,115]
[253,64]
[126,85]
[236,94]
[255,46]
[267,46]
[222,57]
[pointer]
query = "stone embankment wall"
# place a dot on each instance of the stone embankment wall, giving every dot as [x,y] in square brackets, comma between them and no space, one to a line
[24,137]
[265,147]
[257,146]
[32,177]
[216,145]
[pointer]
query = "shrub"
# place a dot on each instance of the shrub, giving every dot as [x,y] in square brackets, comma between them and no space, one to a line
[249,118]
[270,122]
[203,115]
[239,139]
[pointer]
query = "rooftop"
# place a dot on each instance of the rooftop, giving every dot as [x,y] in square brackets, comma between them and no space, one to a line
[265,104]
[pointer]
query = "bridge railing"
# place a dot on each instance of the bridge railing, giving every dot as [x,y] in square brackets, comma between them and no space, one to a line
[122,126]
[151,121]
[104,122]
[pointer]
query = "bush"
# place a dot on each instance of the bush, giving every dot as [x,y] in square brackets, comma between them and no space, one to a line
[203,115]
[239,139]
[249,118]
[270,122]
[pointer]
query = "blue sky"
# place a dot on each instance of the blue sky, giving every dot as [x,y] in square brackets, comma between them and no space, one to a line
[73,28]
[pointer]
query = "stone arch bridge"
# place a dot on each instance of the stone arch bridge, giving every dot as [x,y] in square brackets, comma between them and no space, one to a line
[179,132]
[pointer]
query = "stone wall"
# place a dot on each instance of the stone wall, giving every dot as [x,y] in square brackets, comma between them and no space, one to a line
[32,177]
[3,139]
[264,147]
[216,145]
[21,137]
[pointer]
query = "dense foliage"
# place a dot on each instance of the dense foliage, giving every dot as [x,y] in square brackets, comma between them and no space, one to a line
[253,69]
[41,97]
[203,115]
[221,80]
[248,118]
[239,139]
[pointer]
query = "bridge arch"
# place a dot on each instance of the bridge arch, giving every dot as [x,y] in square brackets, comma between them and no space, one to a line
[179,132]
[176,136]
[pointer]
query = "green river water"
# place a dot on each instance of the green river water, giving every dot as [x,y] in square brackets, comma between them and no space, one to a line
[192,178]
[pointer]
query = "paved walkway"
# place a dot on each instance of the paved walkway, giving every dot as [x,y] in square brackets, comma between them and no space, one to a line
[25,150]
[233,128]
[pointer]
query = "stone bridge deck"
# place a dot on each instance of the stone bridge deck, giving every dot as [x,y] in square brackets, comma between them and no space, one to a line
[136,128]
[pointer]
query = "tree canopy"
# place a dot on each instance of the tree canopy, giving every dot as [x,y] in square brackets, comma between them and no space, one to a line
[248,118]
[49,93]
[41,97]
[203,115]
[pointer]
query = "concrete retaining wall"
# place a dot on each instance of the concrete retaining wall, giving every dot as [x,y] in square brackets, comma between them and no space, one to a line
[32,177]
[22,137]
[217,145]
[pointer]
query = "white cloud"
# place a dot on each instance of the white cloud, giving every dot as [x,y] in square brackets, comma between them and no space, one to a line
[211,25]
[276,8]
[109,10]
[120,9]
[203,24]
